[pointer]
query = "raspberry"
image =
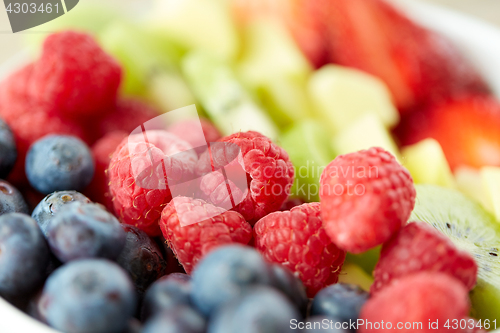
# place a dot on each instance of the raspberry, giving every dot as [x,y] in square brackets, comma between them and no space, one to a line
[137,172]
[269,171]
[191,242]
[366,197]
[127,116]
[421,298]
[98,190]
[419,247]
[297,239]
[13,88]
[185,130]
[29,120]
[74,76]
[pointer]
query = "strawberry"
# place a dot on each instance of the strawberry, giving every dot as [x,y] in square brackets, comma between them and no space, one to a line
[418,65]
[466,127]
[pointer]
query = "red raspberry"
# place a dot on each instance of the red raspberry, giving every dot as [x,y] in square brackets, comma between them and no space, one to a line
[191,242]
[102,150]
[421,298]
[14,88]
[137,172]
[185,130]
[419,247]
[75,76]
[365,199]
[28,119]
[297,239]
[127,116]
[269,172]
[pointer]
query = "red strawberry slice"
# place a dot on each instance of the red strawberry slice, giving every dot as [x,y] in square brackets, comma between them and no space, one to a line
[467,129]
[418,65]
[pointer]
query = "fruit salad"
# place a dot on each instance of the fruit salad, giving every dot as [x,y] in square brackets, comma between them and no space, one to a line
[229,166]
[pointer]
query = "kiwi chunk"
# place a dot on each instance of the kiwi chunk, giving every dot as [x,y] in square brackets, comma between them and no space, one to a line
[472,229]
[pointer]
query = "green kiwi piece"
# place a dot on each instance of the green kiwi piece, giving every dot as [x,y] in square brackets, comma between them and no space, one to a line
[472,229]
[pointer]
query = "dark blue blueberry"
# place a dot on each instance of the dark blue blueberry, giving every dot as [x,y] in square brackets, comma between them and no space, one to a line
[8,150]
[142,258]
[165,294]
[133,326]
[341,301]
[91,295]
[260,309]
[58,163]
[52,203]
[24,256]
[226,273]
[323,324]
[11,200]
[291,286]
[82,230]
[182,319]
[35,309]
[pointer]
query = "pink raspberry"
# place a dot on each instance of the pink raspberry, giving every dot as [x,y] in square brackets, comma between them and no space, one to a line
[213,227]
[268,169]
[366,197]
[297,240]
[184,130]
[421,298]
[102,150]
[74,76]
[141,173]
[419,247]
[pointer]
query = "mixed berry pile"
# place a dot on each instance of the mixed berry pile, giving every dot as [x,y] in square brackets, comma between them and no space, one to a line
[99,235]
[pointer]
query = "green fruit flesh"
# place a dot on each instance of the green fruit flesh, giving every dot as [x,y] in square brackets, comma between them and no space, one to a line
[472,229]
[307,145]
[223,97]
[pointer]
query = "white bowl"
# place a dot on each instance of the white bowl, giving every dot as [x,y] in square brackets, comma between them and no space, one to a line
[479,41]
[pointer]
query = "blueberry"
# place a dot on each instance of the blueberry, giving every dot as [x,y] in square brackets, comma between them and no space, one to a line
[225,273]
[324,324]
[259,309]
[52,203]
[142,258]
[91,295]
[133,326]
[341,301]
[82,230]
[24,256]
[35,308]
[181,319]
[59,162]
[11,200]
[166,294]
[8,150]
[291,286]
